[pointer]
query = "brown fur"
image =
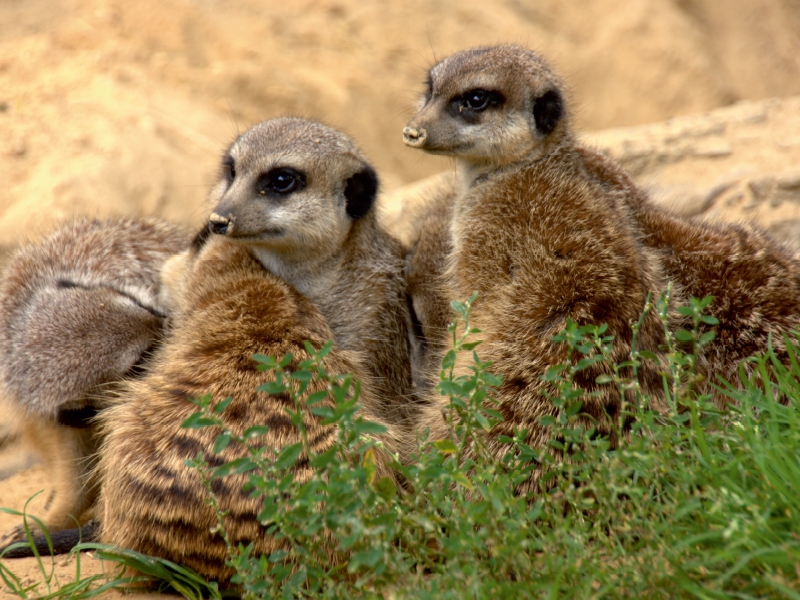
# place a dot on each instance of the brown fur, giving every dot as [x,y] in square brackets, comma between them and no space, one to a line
[755,282]
[324,239]
[227,308]
[546,230]
[536,236]
[78,310]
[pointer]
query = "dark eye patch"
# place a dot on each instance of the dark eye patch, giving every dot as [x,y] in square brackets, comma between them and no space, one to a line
[470,104]
[360,191]
[280,181]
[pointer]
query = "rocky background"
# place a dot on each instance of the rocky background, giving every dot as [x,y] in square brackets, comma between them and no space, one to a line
[112,107]
[121,107]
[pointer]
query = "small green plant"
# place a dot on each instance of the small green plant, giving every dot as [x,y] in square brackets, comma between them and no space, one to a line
[343,496]
[684,347]
[49,585]
[693,502]
[468,411]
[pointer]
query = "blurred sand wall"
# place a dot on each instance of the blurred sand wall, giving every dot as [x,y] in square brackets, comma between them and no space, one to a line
[122,107]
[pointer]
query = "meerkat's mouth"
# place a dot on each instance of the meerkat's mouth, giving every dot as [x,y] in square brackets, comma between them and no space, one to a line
[458,149]
[267,233]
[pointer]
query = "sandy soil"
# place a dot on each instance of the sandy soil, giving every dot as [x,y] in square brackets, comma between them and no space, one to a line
[15,491]
[124,108]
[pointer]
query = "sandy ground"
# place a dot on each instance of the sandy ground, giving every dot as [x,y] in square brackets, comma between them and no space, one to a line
[14,493]
[110,107]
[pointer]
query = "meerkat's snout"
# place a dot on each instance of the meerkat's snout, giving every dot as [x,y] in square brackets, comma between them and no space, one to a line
[414,137]
[220,225]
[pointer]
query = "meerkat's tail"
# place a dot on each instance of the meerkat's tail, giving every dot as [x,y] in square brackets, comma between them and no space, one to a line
[63,541]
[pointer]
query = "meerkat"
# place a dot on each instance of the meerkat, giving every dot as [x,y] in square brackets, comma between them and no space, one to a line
[500,112]
[753,280]
[300,196]
[225,308]
[427,250]
[79,311]
[535,234]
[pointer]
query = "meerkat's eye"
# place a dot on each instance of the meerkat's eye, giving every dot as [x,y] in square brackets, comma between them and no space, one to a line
[228,169]
[467,105]
[280,181]
[477,100]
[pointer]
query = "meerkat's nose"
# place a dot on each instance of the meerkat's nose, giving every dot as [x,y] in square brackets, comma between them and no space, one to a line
[414,137]
[220,225]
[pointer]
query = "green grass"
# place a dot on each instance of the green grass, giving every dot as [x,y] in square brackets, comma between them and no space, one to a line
[697,503]
[154,574]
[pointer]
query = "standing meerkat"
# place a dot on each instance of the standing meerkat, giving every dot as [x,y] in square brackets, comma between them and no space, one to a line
[299,195]
[225,306]
[534,233]
[755,282]
[79,311]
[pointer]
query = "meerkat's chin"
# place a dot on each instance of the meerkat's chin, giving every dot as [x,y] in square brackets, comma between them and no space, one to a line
[429,150]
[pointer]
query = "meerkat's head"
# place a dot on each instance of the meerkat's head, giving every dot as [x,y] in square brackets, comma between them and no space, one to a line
[291,189]
[490,106]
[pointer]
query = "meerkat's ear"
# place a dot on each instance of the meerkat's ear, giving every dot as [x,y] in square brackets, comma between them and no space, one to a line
[547,111]
[360,192]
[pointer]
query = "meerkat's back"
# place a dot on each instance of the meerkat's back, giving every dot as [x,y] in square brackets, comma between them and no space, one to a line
[754,281]
[87,291]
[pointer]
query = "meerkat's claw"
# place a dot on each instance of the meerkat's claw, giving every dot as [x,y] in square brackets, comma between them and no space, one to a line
[12,536]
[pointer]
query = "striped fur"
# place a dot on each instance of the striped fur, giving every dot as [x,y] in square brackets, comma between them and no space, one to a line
[226,308]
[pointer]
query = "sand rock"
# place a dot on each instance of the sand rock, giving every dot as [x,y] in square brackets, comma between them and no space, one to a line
[737,163]
[124,107]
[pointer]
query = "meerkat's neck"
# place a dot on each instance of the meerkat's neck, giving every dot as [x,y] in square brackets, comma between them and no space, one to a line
[470,171]
[312,276]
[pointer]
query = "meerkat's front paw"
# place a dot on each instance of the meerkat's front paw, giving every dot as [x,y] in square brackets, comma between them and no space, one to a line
[16,534]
